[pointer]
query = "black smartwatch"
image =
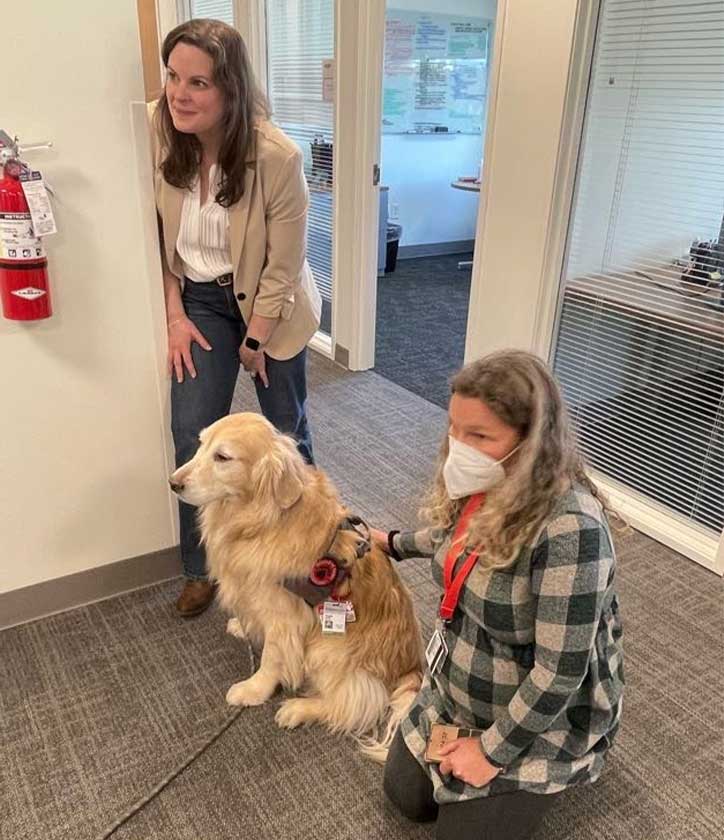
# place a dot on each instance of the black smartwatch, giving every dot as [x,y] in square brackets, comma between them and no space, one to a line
[252,343]
[391,546]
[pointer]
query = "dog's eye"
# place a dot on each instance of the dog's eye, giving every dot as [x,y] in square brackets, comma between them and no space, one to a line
[219,456]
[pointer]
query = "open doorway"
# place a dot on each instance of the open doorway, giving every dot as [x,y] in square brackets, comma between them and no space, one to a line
[435,93]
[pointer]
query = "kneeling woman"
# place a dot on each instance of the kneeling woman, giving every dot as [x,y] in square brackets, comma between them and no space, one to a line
[527,646]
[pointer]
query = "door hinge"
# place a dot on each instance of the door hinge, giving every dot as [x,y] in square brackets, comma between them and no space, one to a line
[376,175]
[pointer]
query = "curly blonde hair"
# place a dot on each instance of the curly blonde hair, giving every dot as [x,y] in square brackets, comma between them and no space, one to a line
[521,391]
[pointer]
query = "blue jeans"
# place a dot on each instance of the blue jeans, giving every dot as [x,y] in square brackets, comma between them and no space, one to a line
[197,403]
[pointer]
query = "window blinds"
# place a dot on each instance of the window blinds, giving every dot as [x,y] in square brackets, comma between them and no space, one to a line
[216,9]
[639,346]
[300,38]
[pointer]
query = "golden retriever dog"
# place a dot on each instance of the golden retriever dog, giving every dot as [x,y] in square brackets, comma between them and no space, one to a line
[266,519]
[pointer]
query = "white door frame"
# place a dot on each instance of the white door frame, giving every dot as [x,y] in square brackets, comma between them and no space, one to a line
[522,157]
[360,48]
[169,13]
[564,181]
[477,293]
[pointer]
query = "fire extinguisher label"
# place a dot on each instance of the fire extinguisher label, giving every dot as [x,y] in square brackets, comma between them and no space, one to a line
[17,239]
[28,293]
[36,195]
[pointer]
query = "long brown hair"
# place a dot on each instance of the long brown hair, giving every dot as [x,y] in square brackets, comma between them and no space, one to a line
[519,388]
[243,103]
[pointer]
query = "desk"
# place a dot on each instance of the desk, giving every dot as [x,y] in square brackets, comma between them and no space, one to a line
[644,332]
[640,362]
[466,186]
[663,303]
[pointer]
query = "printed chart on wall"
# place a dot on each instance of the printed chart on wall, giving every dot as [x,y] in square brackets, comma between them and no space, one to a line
[436,69]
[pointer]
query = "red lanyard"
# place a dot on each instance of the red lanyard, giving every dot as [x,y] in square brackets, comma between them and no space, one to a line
[453,586]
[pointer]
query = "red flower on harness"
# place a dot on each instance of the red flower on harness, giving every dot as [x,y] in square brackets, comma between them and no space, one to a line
[324,572]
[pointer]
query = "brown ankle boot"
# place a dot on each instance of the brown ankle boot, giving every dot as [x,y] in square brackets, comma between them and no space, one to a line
[195,597]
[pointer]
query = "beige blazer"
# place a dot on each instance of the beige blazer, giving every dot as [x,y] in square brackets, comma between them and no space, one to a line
[268,232]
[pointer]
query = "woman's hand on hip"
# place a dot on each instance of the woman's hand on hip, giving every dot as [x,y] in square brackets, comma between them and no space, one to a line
[254,361]
[464,758]
[181,333]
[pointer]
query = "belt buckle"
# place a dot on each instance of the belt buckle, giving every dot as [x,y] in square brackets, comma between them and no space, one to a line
[225,280]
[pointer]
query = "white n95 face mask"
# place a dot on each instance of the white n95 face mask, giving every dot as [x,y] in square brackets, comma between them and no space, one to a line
[468,471]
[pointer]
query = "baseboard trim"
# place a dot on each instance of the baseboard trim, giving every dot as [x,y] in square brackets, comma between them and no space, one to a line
[321,343]
[39,600]
[435,249]
[341,356]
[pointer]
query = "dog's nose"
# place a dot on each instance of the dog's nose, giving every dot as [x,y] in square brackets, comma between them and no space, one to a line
[175,486]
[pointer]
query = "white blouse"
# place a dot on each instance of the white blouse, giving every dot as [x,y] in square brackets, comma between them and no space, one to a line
[203,238]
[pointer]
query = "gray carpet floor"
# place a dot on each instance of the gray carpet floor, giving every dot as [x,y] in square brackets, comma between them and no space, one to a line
[99,704]
[422,314]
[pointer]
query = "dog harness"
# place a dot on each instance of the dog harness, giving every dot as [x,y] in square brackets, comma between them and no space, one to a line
[330,571]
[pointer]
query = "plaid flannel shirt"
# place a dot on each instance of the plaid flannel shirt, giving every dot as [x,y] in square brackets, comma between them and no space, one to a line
[535,657]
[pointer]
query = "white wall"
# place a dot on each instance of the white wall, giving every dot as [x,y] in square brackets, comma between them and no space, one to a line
[83,423]
[418,169]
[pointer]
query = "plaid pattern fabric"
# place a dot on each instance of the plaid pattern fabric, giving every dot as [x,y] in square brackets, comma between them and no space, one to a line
[535,657]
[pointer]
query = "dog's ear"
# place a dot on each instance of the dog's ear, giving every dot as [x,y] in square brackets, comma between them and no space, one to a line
[279,476]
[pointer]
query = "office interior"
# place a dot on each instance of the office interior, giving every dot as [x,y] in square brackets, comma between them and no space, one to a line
[596,241]
[431,170]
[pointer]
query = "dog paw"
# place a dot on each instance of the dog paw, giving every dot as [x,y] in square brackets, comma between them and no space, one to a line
[247,693]
[291,714]
[234,628]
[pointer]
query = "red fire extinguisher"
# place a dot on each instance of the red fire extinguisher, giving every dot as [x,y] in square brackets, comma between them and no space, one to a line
[24,285]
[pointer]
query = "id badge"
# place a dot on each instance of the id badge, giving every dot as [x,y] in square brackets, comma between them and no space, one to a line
[436,652]
[348,606]
[334,617]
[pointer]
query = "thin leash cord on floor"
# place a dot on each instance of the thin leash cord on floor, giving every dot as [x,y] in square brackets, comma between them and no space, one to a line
[166,781]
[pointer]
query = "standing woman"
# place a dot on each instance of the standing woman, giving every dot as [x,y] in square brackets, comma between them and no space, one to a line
[232,205]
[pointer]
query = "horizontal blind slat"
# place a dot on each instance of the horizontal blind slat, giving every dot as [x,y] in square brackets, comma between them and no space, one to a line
[300,36]
[216,9]
[656,427]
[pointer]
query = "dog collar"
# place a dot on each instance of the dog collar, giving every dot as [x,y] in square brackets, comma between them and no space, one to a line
[359,526]
[326,576]
[329,572]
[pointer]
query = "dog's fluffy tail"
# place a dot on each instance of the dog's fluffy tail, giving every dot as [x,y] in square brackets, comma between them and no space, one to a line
[401,699]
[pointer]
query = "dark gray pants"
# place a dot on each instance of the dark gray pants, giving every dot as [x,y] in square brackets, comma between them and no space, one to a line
[508,816]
